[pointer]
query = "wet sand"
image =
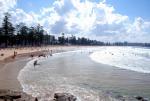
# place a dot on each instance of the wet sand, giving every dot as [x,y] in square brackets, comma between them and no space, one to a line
[10,67]
[9,73]
[9,84]
[116,78]
[71,72]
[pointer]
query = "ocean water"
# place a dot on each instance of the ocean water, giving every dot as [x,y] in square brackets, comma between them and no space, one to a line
[95,74]
[131,58]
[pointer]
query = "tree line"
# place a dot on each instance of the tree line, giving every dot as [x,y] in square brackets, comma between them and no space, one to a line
[22,35]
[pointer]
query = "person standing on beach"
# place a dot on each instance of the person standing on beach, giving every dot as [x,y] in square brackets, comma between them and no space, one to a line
[15,54]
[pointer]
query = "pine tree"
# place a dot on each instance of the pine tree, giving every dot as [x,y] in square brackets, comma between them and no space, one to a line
[7,29]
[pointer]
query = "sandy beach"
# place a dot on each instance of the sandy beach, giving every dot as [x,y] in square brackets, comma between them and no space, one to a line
[9,73]
[109,78]
[8,53]
[78,74]
[10,66]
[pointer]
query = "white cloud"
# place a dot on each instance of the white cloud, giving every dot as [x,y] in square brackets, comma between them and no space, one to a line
[6,5]
[138,31]
[84,18]
[110,16]
[18,16]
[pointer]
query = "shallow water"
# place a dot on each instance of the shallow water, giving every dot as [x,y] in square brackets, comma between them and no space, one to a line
[77,73]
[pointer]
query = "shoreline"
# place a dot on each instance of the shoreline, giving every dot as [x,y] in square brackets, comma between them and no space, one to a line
[115,78]
[7,53]
[14,65]
[10,67]
[9,73]
[9,84]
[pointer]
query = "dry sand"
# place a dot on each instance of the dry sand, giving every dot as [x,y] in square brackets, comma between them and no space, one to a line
[9,52]
[10,67]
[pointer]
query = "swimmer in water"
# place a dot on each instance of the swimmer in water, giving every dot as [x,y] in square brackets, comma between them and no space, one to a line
[35,63]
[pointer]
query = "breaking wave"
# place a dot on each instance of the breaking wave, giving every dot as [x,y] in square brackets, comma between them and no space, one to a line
[130,58]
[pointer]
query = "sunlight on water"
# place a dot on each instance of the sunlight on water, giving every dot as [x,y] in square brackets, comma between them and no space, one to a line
[39,83]
[136,59]
[74,72]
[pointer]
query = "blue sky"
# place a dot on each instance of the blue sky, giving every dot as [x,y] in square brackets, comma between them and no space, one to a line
[33,5]
[104,20]
[132,8]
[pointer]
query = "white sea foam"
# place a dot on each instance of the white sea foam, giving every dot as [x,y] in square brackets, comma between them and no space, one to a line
[37,82]
[131,58]
[49,77]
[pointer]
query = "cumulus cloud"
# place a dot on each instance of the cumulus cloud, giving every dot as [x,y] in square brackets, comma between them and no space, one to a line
[18,16]
[138,31]
[97,20]
[6,5]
